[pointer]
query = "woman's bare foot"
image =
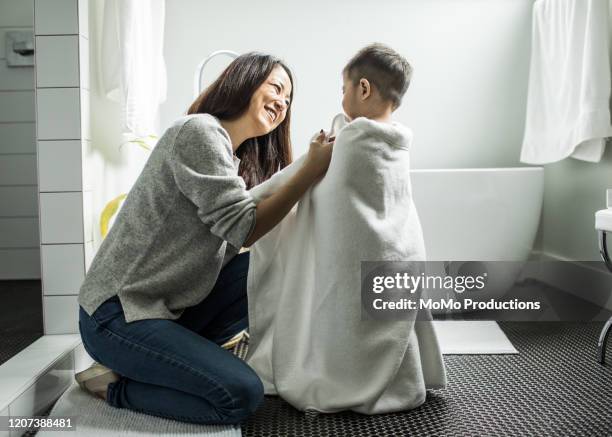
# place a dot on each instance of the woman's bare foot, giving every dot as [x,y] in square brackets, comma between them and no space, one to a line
[95,379]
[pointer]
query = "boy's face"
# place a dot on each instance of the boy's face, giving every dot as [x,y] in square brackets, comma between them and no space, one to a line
[350,98]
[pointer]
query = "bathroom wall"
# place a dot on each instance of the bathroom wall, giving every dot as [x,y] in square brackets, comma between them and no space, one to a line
[573,191]
[81,164]
[19,236]
[466,102]
[63,140]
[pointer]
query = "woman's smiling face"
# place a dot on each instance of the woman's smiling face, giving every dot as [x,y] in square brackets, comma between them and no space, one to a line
[270,102]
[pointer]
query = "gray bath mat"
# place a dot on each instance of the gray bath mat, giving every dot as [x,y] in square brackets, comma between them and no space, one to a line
[95,418]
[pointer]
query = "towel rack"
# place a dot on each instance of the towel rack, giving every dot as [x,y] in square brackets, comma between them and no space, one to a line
[197,88]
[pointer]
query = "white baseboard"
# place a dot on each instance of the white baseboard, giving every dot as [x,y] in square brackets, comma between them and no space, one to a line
[590,281]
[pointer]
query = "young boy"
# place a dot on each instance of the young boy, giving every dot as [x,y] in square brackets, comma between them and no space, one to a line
[309,343]
[374,82]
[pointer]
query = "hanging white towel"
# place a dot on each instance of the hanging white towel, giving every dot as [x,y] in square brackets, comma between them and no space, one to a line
[132,63]
[308,343]
[569,82]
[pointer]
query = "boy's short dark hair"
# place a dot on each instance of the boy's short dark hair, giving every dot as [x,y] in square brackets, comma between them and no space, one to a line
[386,69]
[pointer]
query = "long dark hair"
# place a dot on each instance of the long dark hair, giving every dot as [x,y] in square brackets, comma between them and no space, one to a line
[228,98]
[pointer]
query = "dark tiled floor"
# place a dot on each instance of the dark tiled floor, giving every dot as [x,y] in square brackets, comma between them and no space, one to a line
[553,387]
[21,319]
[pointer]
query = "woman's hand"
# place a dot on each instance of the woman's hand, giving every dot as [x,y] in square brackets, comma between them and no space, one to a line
[319,154]
[270,211]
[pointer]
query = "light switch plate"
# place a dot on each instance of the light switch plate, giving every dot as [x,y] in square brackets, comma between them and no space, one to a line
[18,47]
[609,198]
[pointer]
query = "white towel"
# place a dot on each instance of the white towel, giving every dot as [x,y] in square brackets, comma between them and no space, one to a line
[569,82]
[308,343]
[338,123]
[132,63]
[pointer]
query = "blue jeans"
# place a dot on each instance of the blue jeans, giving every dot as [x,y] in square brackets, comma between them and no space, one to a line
[176,368]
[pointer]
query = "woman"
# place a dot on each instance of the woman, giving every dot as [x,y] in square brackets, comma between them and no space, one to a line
[166,288]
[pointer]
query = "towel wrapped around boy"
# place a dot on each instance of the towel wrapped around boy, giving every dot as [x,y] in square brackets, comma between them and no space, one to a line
[308,342]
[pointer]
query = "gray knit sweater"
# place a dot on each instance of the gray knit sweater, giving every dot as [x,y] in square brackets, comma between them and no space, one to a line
[170,238]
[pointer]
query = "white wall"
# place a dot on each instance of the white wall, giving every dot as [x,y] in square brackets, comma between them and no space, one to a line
[81,166]
[63,139]
[466,103]
[19,236]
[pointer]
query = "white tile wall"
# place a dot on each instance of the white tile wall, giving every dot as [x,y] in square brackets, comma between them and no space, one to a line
[18,170]
[16,13]
[18,138]
[88,217]
[57,17]
[62,31]
[16,106]
[85,115]
[84,62]
[58,114]
[59,165]
[12,78]
[89,254]
[57,61]
[84,17]
[61,314]
[63,268]
[18,201]
[18,191]
[20,263]
[61,218]
[19,232]
[87,168]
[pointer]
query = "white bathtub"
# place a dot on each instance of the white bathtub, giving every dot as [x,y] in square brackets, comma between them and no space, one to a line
[481,214]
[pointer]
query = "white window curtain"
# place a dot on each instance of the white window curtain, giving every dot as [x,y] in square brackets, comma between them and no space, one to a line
[132,62]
